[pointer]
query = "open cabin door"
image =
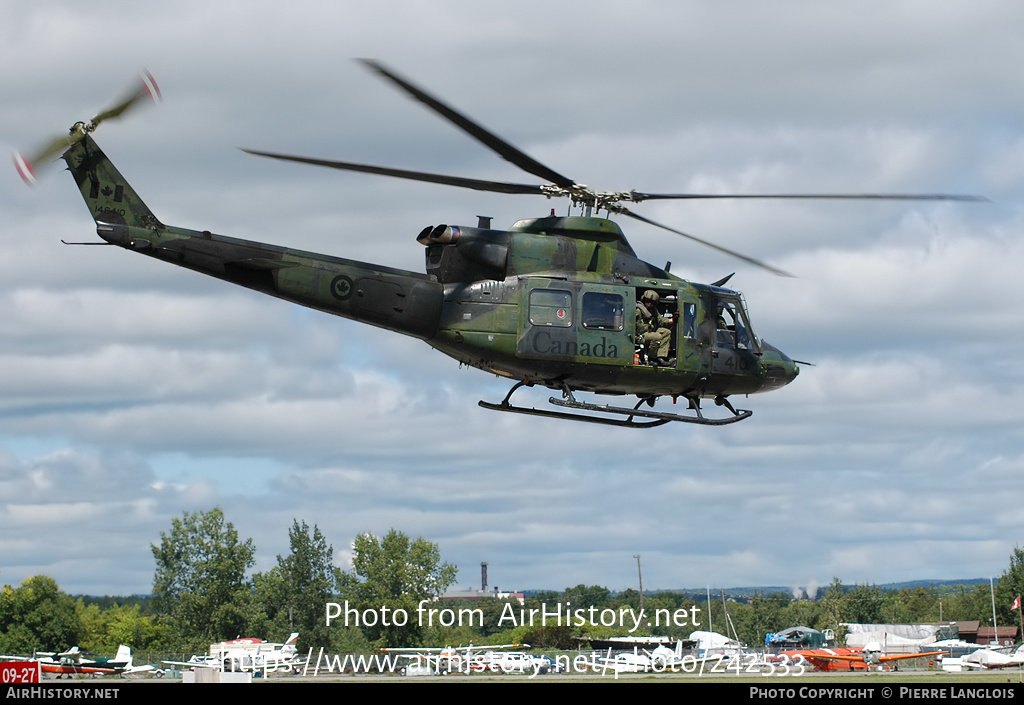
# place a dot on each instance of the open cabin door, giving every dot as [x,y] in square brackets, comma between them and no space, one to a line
[689,353]
[679,312]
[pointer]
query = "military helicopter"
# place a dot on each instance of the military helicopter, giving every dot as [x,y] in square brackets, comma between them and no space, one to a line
[558,301]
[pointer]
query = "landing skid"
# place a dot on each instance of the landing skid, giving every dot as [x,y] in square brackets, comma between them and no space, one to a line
[656,418]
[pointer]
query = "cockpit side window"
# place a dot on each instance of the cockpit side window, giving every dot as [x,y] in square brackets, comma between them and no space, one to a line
[733,330]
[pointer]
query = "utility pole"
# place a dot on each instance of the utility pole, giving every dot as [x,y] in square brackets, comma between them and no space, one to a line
[641,576]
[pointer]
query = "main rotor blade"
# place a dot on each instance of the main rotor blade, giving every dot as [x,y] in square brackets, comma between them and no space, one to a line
[147,88]
[637,196]
[757,263]
[476,184]
[503,148]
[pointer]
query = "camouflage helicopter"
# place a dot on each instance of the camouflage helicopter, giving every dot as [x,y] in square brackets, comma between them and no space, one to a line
[557,301]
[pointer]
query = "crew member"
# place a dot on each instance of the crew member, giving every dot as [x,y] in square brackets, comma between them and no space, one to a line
[653,330]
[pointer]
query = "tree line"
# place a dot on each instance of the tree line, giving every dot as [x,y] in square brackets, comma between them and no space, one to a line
[203,593]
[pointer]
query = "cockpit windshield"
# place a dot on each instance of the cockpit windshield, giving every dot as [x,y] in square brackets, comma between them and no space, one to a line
[733,326]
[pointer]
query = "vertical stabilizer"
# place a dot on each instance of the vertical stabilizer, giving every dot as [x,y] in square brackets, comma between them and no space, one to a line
[124,655]
[109,197]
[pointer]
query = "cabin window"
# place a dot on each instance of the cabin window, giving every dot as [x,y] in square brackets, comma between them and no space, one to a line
[689,318]
[551,307]
[603,311]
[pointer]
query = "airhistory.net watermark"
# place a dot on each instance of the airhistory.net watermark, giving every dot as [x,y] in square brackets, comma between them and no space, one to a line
[560,615]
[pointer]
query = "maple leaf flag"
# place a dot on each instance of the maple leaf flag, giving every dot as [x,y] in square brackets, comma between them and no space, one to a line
[1016,604]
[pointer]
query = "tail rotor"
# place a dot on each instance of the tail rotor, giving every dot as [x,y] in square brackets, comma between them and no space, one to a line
[29,164]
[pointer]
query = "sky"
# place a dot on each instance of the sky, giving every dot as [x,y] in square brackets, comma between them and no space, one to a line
[132,392]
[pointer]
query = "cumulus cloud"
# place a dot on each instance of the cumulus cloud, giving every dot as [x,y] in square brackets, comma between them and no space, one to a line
[134,391]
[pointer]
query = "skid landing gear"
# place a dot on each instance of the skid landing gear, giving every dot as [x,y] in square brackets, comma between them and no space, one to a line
[647,418]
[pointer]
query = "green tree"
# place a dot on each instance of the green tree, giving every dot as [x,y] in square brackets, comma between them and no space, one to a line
[94,626]
[394,574]
[492,610]
[968,603]
[922,604]
[895,607]
[293,594]
[1009,588]
[802,613]
[765,617]
[200,582]
[105,630]
[127,625]
[586,596]
[863,605]
[833,604]
[37,616]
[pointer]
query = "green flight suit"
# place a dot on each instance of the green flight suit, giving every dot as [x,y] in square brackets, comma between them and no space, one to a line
[654,330]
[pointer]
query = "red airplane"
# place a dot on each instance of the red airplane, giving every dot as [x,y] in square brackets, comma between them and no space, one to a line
[74,662]
[853,658]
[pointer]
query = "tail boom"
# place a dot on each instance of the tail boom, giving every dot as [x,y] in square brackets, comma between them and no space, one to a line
[406,302]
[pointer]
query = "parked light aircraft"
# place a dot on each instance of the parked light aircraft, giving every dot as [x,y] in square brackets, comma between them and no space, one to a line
[984,659]
[871,656]
[248,654]
[466,659]
[74,662]
[713,643]
[714,652]
[643,661]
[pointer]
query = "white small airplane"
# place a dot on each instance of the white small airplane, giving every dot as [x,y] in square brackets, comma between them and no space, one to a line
[465,659]
[984,659]
[197,661]
[248,654]
[662,658]
[130,668]
[715,644]
[627,662]
[515,662]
